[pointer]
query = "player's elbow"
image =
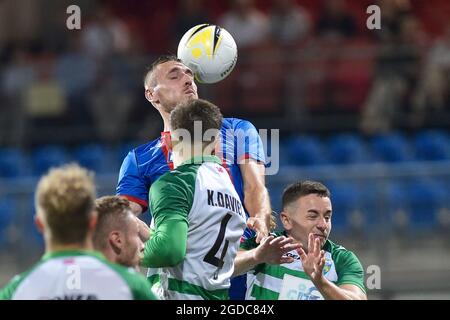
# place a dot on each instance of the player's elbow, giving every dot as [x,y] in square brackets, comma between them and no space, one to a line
[172,253]
[173,258]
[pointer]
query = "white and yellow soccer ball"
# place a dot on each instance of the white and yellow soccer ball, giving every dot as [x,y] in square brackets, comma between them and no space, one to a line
[210,51]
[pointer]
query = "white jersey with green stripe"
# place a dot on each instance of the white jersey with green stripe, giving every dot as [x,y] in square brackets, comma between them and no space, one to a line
[77,275]
[216,222]
[290,282]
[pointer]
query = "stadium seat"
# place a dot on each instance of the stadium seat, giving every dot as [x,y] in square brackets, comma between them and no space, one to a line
[36,239]
[391,148]
[260,79]
[7,211]
[432,145]
[95,157]
[275,193]
[347,149]
[306,151]
[345,201]
[426,199]
[12,163]
[415,204]
[351,76]
[48,156]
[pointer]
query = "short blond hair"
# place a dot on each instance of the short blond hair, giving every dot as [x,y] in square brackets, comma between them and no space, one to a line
[112,214]
[65,198]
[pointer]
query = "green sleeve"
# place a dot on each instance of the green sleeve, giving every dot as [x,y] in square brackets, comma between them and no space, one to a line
[248,244]
[349,269]
[141,288]
[171,200]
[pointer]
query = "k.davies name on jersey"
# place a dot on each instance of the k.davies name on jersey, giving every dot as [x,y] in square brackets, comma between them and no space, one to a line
[219,199]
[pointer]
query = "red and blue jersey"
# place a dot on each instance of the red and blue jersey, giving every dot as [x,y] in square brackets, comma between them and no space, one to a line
[146,163]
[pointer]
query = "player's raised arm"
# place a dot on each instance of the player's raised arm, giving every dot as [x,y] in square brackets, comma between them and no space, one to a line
[271,250]
[251,159]
[257,201]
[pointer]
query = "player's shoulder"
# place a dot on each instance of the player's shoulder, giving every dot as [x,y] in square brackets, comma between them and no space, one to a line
[236,123]
[338,252]
[10,288]
[145,154]
[147,148]
[137,283]
[333,247]
[181,176]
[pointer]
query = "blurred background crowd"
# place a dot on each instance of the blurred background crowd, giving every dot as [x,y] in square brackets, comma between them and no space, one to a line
[365,111]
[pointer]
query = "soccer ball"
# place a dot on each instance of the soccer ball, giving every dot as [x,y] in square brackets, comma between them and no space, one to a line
[210,51]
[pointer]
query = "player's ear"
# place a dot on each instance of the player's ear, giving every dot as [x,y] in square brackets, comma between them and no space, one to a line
[39,223]
[286,220]
[115,241]
[150,95]
[93,221]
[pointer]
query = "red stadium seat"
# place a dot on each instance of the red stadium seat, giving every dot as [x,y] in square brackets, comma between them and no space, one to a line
[261,78]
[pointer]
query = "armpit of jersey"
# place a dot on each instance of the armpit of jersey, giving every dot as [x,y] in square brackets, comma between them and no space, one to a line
[131,184]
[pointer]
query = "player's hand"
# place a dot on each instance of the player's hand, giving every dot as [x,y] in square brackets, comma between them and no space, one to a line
[313,261]
[260,226]
[272,250]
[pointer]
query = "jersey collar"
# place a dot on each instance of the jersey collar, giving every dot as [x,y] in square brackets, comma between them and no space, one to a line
[72,252]
[201,159]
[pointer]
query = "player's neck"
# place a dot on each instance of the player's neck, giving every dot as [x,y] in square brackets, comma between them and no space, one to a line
[165,116]
[52,247]
[180,155]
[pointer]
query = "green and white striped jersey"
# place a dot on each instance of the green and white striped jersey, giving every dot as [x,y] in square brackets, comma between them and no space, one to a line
[201,193]
[77,275]
[289,281]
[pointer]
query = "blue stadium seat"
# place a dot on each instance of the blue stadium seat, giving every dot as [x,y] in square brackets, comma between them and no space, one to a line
[95,157]
[426,198]
[35,238]
[306,151]
[419,200]
[397,205]
[346,149]
[345,201]
[392,147]
[12,163]
[275,193]
[7,211]
[432,145]
[48,156]
[284,158]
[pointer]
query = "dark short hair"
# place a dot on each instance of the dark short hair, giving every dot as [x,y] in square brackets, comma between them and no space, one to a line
[161,59]
[303,188]
[112,212]
[185,114]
